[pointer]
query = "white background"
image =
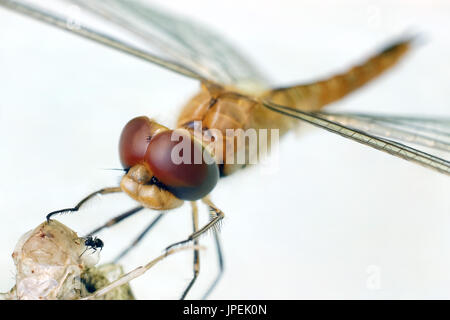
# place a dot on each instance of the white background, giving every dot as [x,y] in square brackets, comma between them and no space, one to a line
[335,218]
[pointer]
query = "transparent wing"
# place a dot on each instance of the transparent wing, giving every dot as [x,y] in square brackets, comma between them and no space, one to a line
[68,23]
[431,133]
[190,43]
[137,29]
[354,128]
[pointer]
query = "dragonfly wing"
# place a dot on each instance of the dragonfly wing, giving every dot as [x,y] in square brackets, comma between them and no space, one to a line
[194,45]
[135,28]
[431,133]
[377,141]
[62,18]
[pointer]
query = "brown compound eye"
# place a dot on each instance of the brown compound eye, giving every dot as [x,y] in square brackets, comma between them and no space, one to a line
[134,141]
[181,164]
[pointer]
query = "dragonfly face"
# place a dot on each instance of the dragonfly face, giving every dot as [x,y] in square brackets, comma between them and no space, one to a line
[164,165]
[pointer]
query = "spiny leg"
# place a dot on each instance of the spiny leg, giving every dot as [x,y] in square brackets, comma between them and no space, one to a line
[196,251]
[139,238]
[116,220]
[78,206]
[218,216]
[221,264]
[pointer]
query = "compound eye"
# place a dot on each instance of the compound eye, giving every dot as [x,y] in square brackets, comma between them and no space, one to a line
[134,141]
[181,164]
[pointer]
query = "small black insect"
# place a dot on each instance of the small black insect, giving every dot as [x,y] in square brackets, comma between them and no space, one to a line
[92,243]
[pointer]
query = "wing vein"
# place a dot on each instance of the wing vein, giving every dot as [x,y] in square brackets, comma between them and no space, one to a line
[97,36]
[386,145]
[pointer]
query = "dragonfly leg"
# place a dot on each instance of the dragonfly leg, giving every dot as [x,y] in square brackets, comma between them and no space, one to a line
[196,268]
[221,264]
[218,215]
[139,238]
[79,204]
[116,220]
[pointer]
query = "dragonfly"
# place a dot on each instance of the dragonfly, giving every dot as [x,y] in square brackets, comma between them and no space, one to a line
[233,94]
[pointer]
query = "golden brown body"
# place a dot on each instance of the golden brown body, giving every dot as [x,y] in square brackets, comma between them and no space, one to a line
[220,108]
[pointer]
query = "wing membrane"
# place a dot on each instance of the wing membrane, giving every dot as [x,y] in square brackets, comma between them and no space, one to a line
[64,23]
[383,144]
[432,133]
[137,29]
[186,41]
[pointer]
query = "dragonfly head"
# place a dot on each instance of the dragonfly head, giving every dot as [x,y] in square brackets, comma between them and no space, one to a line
[164,166]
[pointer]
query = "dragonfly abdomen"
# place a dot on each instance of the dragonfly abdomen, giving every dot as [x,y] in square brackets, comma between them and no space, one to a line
[313,96]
